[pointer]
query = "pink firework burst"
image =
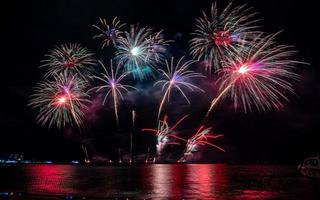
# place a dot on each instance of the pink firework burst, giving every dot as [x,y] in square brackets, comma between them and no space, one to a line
[258,77]
[221,34]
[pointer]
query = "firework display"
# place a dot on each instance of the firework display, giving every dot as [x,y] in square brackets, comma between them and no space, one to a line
[165,134]
[258,77]
[140,50]
[250,67]
[201,138]
[61,101]
[221,34]
[109,33]
[177,76]
[72,58]
[112,85]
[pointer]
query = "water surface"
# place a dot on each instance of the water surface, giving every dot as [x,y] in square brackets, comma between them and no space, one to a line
[166,181]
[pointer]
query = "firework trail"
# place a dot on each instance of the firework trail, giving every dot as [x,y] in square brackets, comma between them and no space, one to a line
[140,50]
[112,85]
[165,134]
[61,101]
[72,58]
[109,33]
[134,117]
[221,34]
[201,138]
[258,77]
[177,77]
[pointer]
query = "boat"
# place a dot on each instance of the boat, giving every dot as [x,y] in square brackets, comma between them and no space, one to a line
[310,167]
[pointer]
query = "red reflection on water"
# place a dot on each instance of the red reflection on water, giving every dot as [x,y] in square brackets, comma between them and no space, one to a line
[161,180]
[50,179]
[257,194]
[208,181]
[168,181]
[178,175]
[191,181]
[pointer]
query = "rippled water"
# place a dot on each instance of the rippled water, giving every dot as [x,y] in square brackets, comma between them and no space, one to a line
[171,181]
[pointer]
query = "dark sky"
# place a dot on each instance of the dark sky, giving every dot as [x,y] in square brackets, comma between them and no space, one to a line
[30,28]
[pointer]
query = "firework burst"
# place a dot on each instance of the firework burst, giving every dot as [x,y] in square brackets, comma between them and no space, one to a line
[72,58]
[177,77]
[61,101]
[112,85]
[201,138]
[140,49]
[165,134]
[258,77]
[109,33]
[157,47]
[221,34]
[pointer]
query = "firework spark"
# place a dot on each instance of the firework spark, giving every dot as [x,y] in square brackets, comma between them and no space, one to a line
[139,49]
[166,134]
[258,77]
[222,34]
[177,77]
[109,33]
[72,58]
[201,138]
[61,101]
[113,85]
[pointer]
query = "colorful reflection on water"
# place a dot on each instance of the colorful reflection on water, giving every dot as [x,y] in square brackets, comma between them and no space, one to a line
[171,181]
[50,179]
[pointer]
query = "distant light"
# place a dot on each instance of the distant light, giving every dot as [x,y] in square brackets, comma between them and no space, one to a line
[243,69]
[11,162]
[75,162]
[69,197]
[135,51]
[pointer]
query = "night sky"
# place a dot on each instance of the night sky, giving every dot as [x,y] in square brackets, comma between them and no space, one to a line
[30,28]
